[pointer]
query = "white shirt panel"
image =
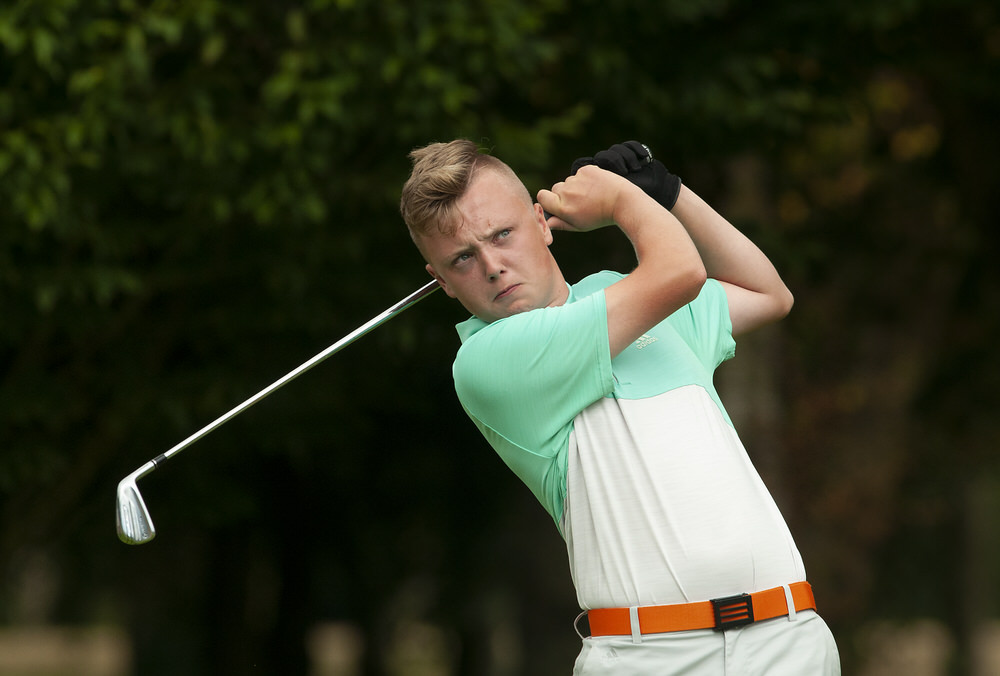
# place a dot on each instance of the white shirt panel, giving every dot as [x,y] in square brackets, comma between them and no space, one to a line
[664,506]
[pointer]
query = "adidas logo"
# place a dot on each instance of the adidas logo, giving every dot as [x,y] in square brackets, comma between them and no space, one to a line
[644,341]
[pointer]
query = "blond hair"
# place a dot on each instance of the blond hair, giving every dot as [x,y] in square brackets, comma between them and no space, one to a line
[442,172]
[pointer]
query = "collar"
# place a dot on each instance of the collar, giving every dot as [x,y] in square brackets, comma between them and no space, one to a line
[474,325]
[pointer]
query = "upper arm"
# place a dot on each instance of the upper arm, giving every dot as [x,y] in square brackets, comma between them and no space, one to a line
[749,310]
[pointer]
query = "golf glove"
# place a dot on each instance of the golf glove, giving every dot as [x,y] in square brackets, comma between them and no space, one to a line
[634,161]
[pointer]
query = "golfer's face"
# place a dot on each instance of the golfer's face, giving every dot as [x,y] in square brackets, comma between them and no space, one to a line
[497,262]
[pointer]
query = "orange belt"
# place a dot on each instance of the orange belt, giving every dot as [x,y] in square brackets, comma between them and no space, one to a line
[721,614]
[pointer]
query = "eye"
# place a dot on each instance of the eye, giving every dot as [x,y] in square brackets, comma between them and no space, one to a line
[503,234]
[461,258]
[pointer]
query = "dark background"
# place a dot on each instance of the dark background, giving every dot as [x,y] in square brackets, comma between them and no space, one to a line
[196,196]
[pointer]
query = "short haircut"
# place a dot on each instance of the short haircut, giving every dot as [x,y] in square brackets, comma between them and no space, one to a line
[442,172]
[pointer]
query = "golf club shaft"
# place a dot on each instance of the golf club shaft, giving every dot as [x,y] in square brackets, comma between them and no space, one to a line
[292,375]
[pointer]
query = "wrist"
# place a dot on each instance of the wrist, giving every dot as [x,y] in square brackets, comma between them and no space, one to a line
[681,200]
[628,201]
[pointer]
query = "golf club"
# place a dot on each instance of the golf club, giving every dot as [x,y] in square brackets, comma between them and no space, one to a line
[135,526]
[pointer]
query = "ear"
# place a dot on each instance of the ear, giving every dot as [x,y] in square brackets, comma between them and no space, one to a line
[440,280]
[546,230]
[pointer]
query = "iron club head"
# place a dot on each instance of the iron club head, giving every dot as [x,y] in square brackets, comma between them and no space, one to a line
[135,526]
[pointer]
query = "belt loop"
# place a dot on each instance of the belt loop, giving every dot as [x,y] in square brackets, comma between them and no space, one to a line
[576,625]
[790,602]
[633,620]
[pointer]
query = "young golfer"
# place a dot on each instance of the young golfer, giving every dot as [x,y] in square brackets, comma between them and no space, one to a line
[599,396]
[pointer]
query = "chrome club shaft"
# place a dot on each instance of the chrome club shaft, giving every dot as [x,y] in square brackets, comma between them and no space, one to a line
[134,524]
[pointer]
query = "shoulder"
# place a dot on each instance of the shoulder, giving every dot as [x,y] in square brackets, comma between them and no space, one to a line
[711,298]
[537,327]
[545,346]
[594,283]
[710,304]
[705,325]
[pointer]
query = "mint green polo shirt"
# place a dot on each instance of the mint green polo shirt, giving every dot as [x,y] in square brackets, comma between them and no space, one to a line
[524,379]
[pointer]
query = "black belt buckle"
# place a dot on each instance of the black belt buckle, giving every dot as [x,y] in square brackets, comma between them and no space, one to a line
[732,611]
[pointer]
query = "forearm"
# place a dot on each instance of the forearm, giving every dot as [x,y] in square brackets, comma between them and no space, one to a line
[728,254]
[757,295]
[669,274]
[594,198]
[657,235]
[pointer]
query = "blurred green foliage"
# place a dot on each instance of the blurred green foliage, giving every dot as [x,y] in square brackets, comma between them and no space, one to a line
[196,196]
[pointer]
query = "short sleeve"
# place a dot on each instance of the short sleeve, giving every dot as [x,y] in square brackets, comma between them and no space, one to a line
[704,324]
[526,377]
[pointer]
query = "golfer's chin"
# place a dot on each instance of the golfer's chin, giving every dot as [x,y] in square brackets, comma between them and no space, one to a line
[501,310]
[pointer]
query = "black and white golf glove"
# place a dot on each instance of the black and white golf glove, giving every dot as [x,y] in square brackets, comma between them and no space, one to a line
[635,161]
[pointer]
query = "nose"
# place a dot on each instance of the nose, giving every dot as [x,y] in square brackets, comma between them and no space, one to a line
[492,266]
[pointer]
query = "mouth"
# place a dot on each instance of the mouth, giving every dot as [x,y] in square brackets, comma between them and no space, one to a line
[506,292]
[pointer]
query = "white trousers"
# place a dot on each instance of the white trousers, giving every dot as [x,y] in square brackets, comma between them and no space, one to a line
[803,646]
